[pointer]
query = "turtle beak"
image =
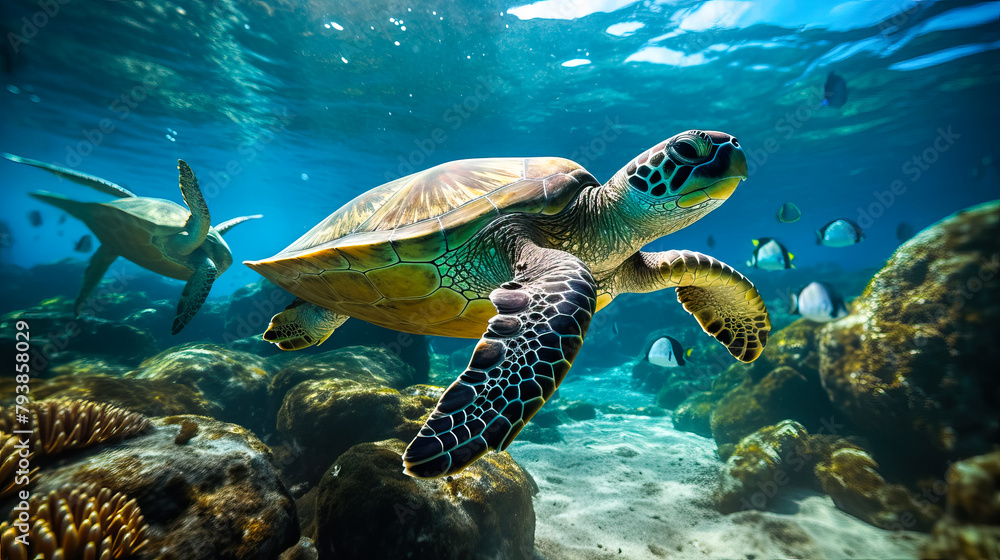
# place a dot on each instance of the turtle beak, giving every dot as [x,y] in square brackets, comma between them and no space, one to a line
[723,188]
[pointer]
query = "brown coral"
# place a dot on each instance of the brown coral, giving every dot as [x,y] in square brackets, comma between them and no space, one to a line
[59,425]
[84,522]
[10,459]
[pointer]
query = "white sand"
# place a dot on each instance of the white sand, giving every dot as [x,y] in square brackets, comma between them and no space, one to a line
[594,500]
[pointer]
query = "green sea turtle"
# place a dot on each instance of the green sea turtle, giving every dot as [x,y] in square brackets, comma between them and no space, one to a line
[520,252]
[156,234]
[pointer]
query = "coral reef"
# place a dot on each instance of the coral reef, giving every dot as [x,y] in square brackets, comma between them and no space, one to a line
[76,522]
[367,508]
[970,529]
[760,465]
[911,367]
[215,496]
[60,425]
[325,417]
[11,460]
[235,381]
[152,397]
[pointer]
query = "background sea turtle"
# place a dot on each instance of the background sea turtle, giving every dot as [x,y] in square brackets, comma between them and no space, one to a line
[156,234]
[520,252]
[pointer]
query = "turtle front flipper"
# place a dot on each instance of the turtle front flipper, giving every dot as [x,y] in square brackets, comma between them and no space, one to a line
[200,221]
[519,362]
[301,325]
[102,185]
[725,303]
[195,292]
[228,224]
[100,262]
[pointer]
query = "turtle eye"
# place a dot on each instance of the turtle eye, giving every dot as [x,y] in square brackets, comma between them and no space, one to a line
[690,149]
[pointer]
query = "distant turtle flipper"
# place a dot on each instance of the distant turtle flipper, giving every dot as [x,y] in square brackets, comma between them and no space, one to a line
[96,183]
[195,292]
[200,221]
[228,224]
[100,262]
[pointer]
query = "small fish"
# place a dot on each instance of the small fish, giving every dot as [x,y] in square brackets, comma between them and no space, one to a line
[789,213]
[768,254]
[839,233]
[711,242]
[84,244]
[818,302]
[904,232]
[62,219]
[835,91]
[614,329]
[667,352]
[35,217]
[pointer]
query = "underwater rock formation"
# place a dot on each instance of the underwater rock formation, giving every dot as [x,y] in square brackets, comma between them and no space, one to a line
[84,521]
[207,489]
[786,455]
[367,508]
[760,465]
[236,381]
[913,366]
[850,476]
[152,397]
[59,337]
[970,529]
[783,384]
[325,417]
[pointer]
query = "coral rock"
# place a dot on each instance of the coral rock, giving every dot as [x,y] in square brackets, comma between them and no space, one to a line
[367,508]
[761,465]
[236,381]
[970,529]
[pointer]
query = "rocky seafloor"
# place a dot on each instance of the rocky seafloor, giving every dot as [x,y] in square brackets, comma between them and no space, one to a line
[875,436]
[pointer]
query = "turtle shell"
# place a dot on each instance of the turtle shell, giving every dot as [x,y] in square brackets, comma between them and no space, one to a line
[383,244]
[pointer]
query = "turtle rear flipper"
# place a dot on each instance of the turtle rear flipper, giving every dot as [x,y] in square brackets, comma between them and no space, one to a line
[96,183]
[195,292]
[199,222]
[301,325]
[517,365]
[228,224]
[98,267]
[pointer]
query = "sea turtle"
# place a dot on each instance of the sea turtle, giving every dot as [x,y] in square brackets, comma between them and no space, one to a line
[520,252]
[156,234]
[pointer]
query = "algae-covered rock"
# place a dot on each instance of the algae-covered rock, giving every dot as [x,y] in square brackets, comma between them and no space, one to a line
[59,337]
[325,417]
[761,465]
[581,410]
[850,476]
[367,508]
[364,364]
[152,397]
[970,529]
[236,381]
[212,494]
[912,366]
[695,414]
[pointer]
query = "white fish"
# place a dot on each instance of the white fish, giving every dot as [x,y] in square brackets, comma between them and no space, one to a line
[839,233]
[768,254]
[818,302]
[667,352]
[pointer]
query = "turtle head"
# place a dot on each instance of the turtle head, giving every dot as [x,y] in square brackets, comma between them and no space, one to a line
[683,178]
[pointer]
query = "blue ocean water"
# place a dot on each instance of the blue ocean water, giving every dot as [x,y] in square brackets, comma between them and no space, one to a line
[291,109]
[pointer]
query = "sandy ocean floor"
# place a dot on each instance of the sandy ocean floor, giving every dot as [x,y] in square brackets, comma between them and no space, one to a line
[633,487]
